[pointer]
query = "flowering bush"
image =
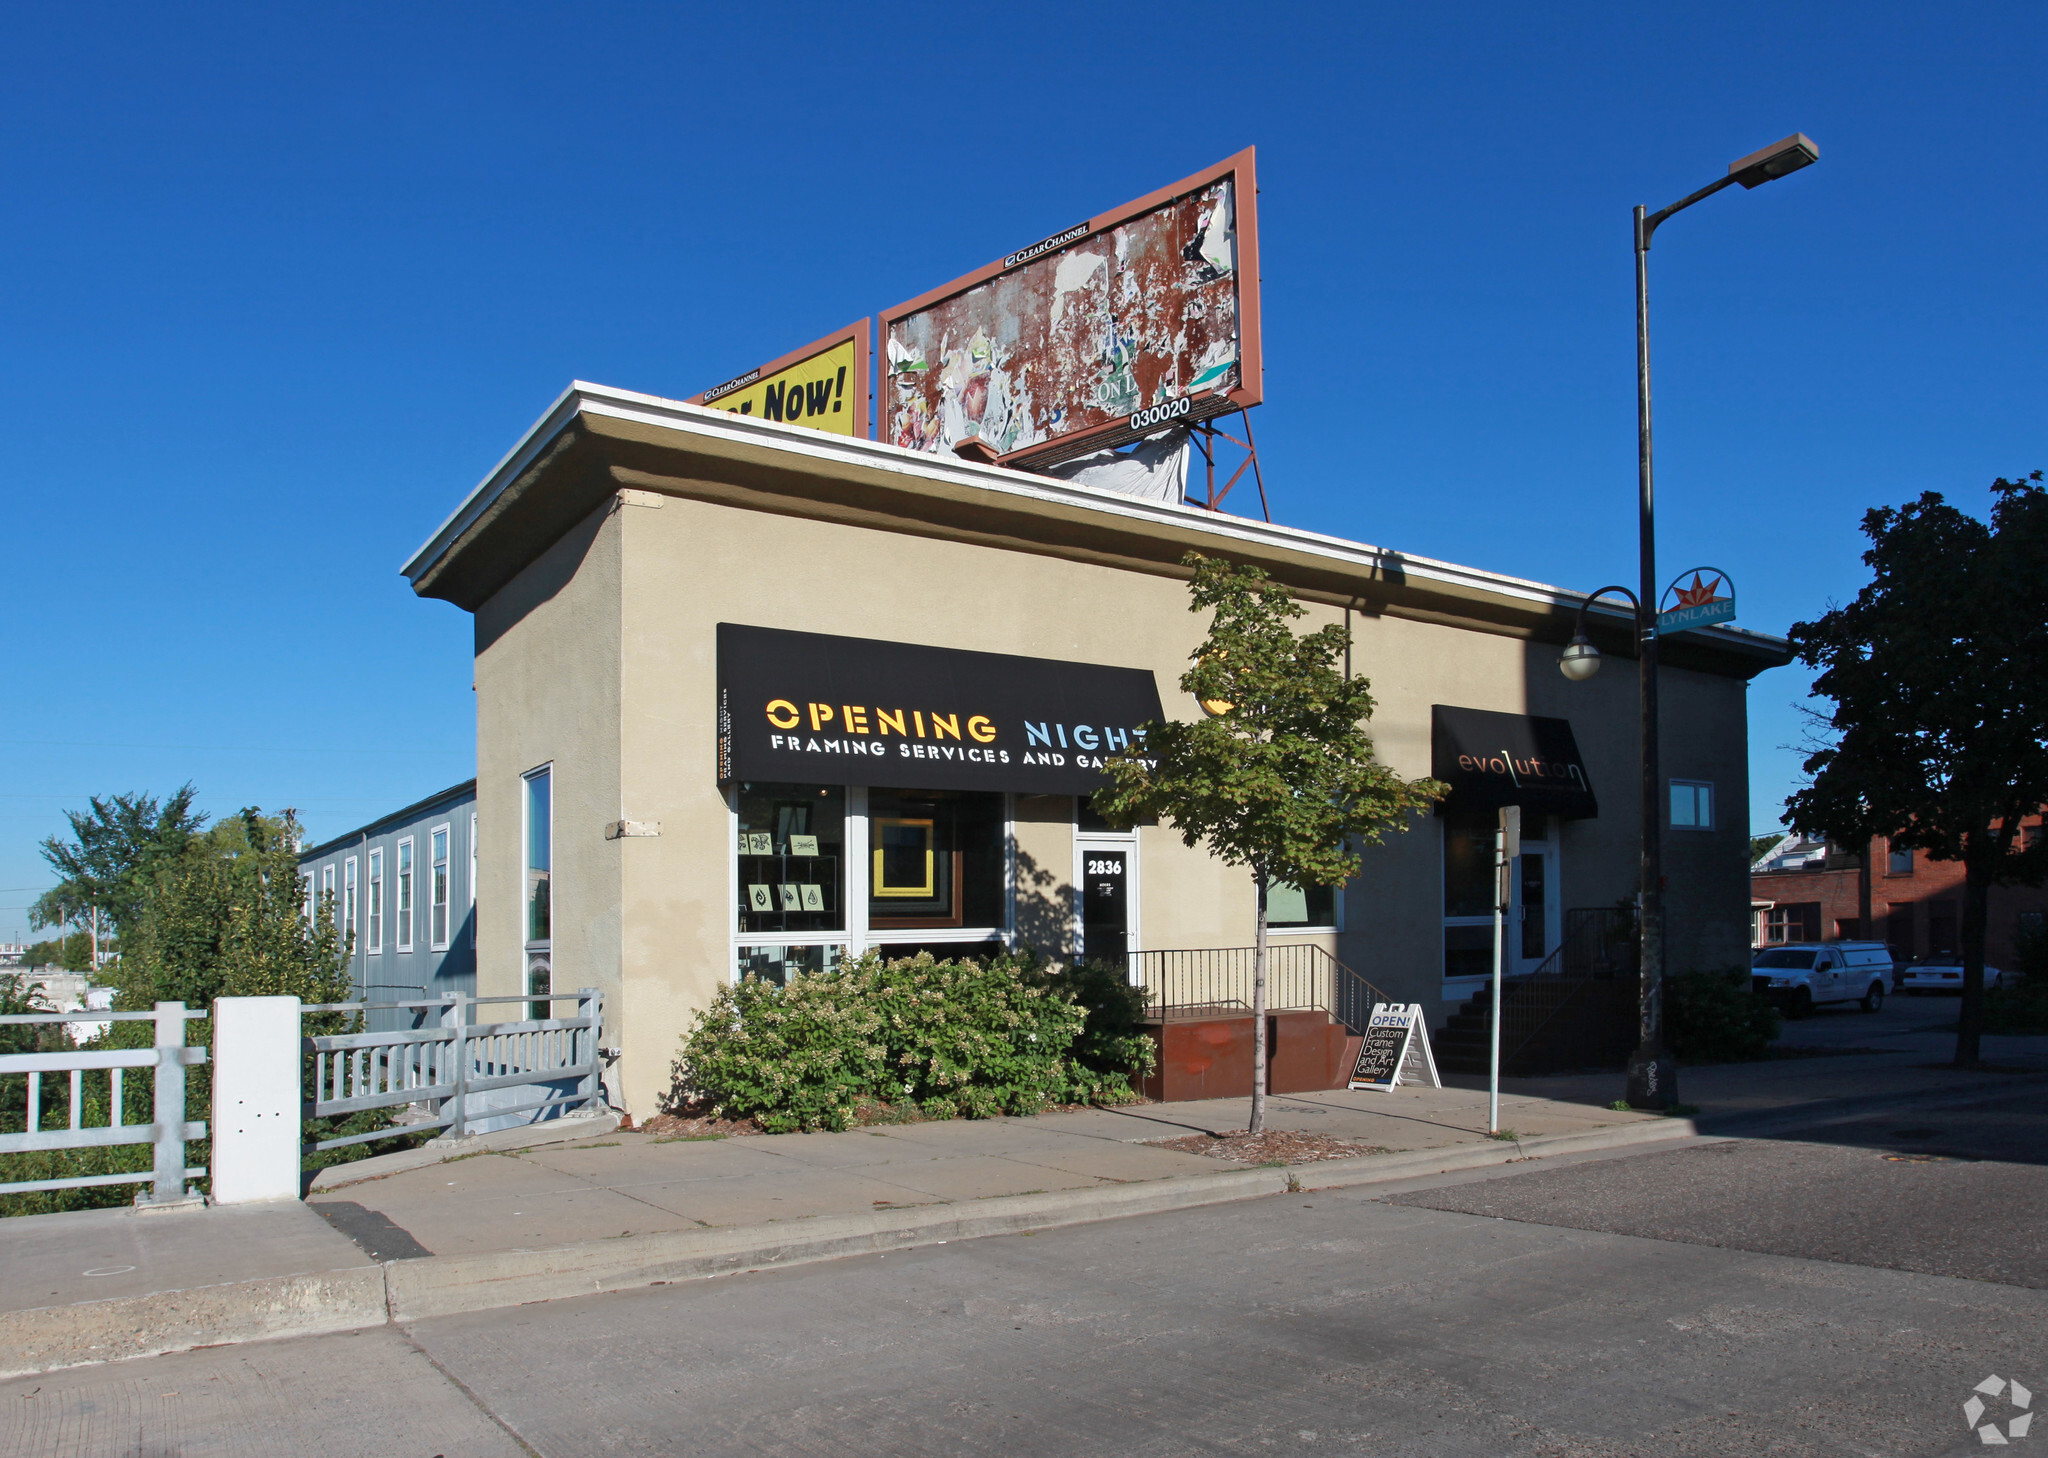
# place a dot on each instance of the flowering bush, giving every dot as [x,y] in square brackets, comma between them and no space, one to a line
[1112,1052]
[795,1057]
[961,1038]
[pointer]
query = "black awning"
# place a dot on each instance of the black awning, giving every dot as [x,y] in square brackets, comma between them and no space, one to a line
[816,709]
[1490,760]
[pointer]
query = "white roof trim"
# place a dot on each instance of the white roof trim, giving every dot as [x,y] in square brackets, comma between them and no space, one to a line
[583,397]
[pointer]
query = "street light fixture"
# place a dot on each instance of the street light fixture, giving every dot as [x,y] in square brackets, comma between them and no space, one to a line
[1774,161]
[1652,1073]
[1580,659]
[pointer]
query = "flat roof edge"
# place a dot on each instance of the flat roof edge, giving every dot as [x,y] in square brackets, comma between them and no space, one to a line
[585,398]
[349,837]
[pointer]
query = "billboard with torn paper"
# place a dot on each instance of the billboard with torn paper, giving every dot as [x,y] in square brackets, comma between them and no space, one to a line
[1109,331]
[823,385]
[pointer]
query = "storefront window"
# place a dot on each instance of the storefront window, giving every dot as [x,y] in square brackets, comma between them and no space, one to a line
[1297,906]
[779,964]
[941,951]
[1468,951]
[1468,862]
[1468,891]
[936,859]
[792,850]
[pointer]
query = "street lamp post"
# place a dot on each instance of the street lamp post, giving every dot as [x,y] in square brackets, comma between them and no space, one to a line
[1652,1074]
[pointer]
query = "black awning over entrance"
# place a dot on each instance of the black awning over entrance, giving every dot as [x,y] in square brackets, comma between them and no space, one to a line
[1490,760]
[815,709]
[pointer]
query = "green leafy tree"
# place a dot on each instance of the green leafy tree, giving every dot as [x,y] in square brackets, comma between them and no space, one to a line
[227,919]
[72,953]
[1760,845]
[1938,675]
[222,917]
[114,850]
[1281,777]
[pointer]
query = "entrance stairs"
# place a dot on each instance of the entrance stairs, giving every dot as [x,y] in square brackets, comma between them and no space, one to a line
[1577,1010]
[1199,1012]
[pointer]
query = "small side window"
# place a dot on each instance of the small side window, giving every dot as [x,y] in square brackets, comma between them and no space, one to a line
[1692,804]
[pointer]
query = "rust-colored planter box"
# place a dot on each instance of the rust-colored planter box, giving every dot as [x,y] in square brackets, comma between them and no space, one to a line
[1211,1057]
[1308,1054]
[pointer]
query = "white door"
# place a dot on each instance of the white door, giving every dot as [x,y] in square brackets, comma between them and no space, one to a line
[1534,912]
[1107,913]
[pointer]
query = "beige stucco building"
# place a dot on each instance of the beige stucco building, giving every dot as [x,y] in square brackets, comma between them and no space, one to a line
[602,555]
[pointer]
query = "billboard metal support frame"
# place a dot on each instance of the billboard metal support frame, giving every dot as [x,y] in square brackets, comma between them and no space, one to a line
[1203,435]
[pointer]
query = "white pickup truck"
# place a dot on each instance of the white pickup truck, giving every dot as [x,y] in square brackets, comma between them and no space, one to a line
[1800,976]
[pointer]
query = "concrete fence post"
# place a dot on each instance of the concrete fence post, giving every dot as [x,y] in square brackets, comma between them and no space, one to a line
[168,1109]
[257,1101]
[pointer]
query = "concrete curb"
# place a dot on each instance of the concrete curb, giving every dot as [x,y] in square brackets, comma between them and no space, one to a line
[368,1296]
[176,1321]
[446,1285]
[440,1151]
[1385,1168]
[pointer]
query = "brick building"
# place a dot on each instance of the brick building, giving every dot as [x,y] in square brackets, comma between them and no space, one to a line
[1808,890]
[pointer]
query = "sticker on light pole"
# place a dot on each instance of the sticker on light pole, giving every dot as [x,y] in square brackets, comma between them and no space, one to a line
[1709,598]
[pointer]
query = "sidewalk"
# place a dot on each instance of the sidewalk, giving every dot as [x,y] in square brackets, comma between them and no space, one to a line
[1903,1052]
[485,1225]
[496,1227]
[627,1184]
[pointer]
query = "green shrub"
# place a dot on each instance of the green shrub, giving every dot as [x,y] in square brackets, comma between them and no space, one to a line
[953,1039]
[976,1039]
[1715,1017]
[2030,951]
[2018,1007]
[1113,1046]
[795,1057]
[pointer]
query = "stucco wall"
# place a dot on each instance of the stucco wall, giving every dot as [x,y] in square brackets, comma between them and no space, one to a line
[602,657]
[547,683]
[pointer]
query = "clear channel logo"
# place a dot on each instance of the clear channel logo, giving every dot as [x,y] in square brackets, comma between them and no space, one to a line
[2015,1399]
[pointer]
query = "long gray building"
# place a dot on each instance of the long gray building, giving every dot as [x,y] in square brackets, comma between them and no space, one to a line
[403,894]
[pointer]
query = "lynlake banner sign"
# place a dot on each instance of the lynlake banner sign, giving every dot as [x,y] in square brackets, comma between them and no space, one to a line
[809,708]
[1708,599]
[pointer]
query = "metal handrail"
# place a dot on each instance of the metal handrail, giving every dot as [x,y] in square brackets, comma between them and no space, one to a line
[446,1065]
[1586,954]
[1300,977]
[443,1001]
[88,1015]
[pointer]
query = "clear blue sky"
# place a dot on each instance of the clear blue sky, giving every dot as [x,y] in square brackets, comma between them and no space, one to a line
[284,281]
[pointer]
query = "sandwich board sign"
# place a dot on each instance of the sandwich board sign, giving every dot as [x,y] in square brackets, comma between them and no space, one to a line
[1396,1048]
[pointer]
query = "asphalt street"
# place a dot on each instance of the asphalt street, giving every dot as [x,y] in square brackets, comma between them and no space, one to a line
[1355,1322]
[1958,1190]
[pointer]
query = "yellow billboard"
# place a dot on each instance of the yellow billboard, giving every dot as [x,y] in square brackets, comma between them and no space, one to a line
[824,385]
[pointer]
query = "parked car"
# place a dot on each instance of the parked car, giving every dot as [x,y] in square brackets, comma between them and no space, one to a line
[1800,976]
[1942,974]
